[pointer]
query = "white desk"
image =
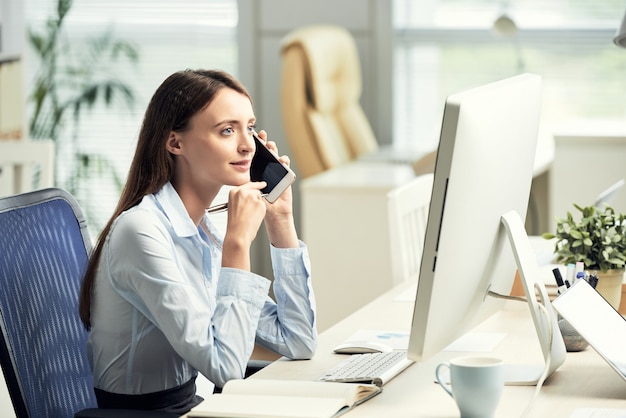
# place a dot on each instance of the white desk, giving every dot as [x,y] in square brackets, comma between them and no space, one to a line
[584,380]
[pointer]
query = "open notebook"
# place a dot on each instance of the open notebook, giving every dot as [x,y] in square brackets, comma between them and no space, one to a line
[266,398]
[596,321]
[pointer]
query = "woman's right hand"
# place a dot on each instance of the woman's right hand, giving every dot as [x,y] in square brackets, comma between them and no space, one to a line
[246,211]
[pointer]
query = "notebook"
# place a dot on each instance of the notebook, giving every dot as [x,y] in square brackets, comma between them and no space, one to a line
[596,321]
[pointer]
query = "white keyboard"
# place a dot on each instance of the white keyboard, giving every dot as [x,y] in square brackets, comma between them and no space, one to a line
[376,368]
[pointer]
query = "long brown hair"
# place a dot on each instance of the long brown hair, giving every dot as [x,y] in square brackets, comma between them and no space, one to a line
[177,99]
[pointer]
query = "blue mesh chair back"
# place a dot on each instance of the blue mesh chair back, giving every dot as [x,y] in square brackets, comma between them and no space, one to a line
[44,250]
[44,247]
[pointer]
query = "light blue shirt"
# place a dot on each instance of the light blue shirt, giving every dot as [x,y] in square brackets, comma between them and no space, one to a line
[164,308]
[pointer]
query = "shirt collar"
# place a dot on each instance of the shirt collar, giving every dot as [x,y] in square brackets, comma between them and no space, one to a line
[173,207]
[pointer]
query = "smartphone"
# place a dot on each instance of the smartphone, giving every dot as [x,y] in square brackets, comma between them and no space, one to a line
[266,167]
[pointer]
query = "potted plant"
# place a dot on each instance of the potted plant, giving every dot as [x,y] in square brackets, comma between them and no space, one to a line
[71,79]
[598,239]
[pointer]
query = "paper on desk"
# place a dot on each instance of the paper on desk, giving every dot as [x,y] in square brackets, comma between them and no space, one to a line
[598,413]
[474,342]
[398,340]
[477,342]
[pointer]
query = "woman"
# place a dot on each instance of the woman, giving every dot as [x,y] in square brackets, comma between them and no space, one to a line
[164,295]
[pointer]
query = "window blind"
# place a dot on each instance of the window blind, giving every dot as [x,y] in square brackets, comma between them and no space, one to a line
[444,46]
[169,36]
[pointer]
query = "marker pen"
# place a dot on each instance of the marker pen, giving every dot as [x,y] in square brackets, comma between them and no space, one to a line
[570,275]
[580,268]
[593,279]
[559,281]
[580,275]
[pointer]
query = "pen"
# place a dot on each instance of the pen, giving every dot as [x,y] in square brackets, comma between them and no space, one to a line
[580,276]
[559,280]
[580,267]
[570,275]
[593,279]
[218,208]
[223,207]
[580,271]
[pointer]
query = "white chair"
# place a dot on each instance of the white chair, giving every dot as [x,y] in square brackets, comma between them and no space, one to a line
[408,214]
[20,160]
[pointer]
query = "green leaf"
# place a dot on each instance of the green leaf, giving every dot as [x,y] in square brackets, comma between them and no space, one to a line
[598,238]
[70,79]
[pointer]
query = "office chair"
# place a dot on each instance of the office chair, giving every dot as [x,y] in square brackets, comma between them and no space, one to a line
[408,215]
[320,92]
[44,247]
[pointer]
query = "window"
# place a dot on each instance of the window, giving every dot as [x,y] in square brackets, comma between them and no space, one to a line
[169,36]
[444,46]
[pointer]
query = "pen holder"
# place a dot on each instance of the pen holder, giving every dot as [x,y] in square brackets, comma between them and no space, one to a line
[572,339]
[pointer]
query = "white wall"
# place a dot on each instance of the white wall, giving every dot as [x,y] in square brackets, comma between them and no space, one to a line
[589,157]
[11,28]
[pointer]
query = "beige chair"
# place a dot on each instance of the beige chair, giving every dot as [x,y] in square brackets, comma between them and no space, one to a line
[320,92]
[19,163]
[408,214]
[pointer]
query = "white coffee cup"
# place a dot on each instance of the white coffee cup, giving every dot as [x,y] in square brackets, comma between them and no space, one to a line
[475,383]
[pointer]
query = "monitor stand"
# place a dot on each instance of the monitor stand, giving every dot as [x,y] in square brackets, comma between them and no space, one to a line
[545,320]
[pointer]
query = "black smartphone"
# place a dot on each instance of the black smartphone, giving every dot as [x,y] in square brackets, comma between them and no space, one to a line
[266,167]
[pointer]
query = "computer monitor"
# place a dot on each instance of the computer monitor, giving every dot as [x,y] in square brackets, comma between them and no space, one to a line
[484,170]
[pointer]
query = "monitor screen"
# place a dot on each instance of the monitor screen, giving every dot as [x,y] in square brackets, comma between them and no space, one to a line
[484,169]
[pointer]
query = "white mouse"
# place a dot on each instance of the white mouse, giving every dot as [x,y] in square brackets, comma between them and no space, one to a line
[362,347]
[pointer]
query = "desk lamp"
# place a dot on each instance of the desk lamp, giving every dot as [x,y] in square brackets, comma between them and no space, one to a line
[505,27]
[620,36]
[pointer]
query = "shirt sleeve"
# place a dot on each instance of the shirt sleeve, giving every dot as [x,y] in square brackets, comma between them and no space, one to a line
[288,326]
[215,335]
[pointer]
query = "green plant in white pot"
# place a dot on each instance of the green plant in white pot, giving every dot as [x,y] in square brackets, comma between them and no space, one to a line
[598,239]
